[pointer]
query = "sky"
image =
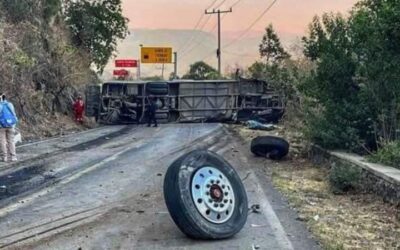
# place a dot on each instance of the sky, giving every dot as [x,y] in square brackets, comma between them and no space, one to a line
[288,16]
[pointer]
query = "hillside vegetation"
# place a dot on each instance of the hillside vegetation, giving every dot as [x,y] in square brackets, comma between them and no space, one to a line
[48,53]
[345,86]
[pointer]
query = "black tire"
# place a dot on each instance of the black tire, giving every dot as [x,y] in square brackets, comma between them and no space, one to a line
[182,207]
[274,147]
[157,88]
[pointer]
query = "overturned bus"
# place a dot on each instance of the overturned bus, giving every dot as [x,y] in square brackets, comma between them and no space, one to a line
[118,102]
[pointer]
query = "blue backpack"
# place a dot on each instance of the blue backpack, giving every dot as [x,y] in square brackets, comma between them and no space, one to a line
[7,117]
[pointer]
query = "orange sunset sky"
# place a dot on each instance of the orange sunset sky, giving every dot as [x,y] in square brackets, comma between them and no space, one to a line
[289,16]
[152,21]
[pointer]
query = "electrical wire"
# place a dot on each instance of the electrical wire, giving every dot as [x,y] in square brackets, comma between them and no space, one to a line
[189,47]
[212,4]
[184,44]
[220,4]
[199,42]
[251,25]
[240,55]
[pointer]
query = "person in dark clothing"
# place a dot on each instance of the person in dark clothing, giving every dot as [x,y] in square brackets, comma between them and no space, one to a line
[151,111]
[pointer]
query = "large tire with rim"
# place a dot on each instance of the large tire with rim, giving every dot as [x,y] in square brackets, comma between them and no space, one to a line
[270,146]
[205,196]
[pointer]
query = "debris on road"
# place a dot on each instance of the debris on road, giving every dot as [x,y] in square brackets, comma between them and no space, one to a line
[260,126]
[255,225]
[255,247]
[270,146]
[247,176]
[205,196]
[255,209]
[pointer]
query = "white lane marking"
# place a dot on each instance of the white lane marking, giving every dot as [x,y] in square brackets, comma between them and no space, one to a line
[268,211]
[27,200]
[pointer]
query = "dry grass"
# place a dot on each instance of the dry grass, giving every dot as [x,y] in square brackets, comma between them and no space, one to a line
[51,126]
[352,221]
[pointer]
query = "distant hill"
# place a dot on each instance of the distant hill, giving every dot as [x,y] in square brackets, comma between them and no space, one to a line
[191,46]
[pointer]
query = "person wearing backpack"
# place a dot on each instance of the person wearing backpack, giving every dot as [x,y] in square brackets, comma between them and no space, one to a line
[8,120]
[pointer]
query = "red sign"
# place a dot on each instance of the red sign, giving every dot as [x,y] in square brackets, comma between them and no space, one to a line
[121,72]
[126,63]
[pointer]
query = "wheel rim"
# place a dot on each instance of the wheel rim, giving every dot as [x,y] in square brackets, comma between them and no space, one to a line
[213,195]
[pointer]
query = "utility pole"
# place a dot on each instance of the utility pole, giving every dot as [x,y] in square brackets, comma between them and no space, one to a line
[139,62]
[175,65]
[218,12]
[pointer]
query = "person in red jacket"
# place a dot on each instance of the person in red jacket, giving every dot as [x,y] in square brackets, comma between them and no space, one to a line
[79,107]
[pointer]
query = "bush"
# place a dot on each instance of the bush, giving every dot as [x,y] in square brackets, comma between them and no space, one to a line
[355,84]
[344,178]
[389,154]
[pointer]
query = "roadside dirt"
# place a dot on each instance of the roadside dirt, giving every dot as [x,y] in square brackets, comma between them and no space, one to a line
[350,221]
[52,126]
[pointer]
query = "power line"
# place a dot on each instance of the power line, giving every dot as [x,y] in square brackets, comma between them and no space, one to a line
[241,55]
[212,4]
[183,45]
[199,42]
[186,48]
[220,4]
[225,14]
[252,24]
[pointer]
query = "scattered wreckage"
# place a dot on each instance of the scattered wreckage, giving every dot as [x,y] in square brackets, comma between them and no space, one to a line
[271,147]
[117,102]
[205,196]
[203,193]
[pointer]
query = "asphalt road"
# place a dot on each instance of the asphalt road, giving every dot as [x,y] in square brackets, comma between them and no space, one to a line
[102,189]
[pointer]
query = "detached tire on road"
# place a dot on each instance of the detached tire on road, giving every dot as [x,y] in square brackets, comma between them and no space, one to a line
[205,196]
[274,147]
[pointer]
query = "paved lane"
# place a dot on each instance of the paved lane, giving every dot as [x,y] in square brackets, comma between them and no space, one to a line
[112,198]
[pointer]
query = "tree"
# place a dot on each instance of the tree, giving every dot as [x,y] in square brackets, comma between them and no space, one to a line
[271,49]
[354,91]
[30,10]
[274,68]
[96,26]
[201,71]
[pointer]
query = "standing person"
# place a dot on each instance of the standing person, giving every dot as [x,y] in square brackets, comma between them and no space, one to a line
[151,111]
[79,107]
[8,120]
